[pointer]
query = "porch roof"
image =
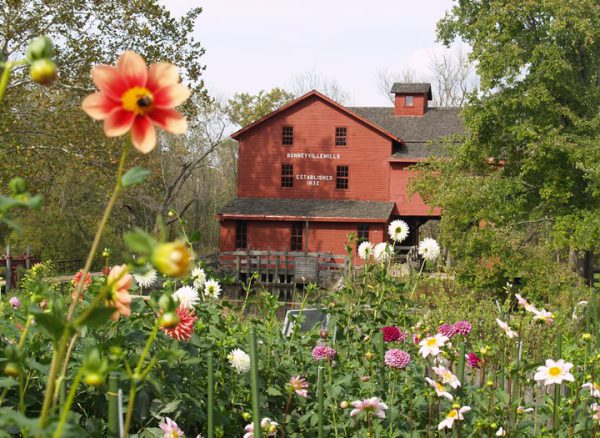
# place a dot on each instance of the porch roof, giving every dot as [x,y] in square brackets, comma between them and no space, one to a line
[324,210]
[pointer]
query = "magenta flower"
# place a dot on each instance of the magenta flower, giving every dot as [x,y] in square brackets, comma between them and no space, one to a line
[392,333]
[473,360]
[448,330]
[15,302]
[170,429]
[299,386]
[463,327]
[370,405]
[323,352]
[396,358]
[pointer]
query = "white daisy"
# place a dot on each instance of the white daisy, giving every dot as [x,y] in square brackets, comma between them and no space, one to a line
[523,410]
[146,279]
[398,230]
[447,376]
[505,327]
[432,344]
[212,289]
[365,250]
[554,372]
[440,390]
[453,415]
[500,432]
[198,277]
[526,304]
[187,296]
[543,316]
[382,252]
[593,387]
[239,361]
[429,249]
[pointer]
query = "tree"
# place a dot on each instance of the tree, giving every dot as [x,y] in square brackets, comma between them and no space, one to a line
[450,73]
[523,188]
[312,80]
[245,108]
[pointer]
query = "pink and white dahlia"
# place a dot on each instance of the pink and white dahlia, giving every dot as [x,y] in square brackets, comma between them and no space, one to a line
[432,344]
[455,414]
[299,385]
[506,328]
[593,387]
[440,390]
[267,427]
[396,358]
[170,429]
[371,405]
[323,352]
[554,372]
[543,316]
[184,330]
[14,302]
[447,376]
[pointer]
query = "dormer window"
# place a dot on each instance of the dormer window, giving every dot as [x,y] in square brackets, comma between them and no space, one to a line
[408,101]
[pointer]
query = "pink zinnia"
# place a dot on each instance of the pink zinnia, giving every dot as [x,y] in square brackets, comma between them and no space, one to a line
[396,358]
[371,405]
[170,429]
[448,330]
[473,360]
[323,352]
[184,330]
[392,333]
[463,327]
[299,386]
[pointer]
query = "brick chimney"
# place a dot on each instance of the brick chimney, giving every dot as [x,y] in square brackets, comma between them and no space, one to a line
[411,98]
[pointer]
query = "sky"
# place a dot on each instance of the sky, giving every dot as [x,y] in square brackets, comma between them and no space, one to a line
[253,45]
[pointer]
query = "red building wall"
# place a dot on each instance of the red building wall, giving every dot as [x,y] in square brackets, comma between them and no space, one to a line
[261,155]
[417,109]
[407,205]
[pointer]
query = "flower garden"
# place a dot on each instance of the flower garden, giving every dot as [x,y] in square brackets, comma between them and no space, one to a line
[153,347]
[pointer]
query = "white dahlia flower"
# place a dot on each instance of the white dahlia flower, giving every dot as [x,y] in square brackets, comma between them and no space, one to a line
[429,249]
[212,289]
[239,361]
[365,250]
[398,230]
[187,296]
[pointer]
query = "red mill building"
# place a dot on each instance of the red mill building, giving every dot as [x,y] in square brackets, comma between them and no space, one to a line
[314,171]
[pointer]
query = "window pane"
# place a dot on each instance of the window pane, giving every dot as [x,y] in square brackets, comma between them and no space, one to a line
[287,135]
[408,101]
[287,175]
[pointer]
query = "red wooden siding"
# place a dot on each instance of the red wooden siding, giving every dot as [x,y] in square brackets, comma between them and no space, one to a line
[417,109]
[406,205]
[261,155]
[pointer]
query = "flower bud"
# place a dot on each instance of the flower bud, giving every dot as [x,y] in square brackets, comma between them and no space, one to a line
[171,213]
[365,378]
[40,48]
[323,334]
[272,428]
[172,259]
[11,369]
[369,355]
[43,71]
[586,336]
[169,320]
[246,416]
[455,406]
[490,383]
[344,404]
[94,379]
[105,252]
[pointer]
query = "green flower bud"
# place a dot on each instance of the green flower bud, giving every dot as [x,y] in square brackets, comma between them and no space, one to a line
[169,320]
[40,48]
[17,185]
[11,369]
[586,336]
[167,303]
[43,71]
[344,404]
[94,379]
[246,416]
[172,259]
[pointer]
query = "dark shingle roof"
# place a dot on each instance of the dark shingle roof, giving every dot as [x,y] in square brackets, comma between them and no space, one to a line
[412,88]
[308,208]
[422,135]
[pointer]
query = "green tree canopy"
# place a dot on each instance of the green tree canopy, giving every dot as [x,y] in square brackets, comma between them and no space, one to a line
[245,108]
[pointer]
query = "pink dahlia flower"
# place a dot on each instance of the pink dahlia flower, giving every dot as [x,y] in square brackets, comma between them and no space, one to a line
[371,405]
[185,329]
[299,386]
[396,358]
[392,334]
[448,330]
[135,98]
[170,429]
[15,302]
[120,282]
[463,327]
[323,352]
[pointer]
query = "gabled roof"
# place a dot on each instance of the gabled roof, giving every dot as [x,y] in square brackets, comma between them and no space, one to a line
[325,210]
[236,135]
[412,88]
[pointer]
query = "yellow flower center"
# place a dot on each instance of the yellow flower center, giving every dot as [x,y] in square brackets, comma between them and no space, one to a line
[596,386]
[439,386]
[554,371]
[137,100]
[452,413]
[431,342]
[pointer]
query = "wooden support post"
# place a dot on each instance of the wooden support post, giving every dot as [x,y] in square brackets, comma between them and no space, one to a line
[267,267]
[258,267]
[276,276]
[8,278]
[237,267]
[248,265]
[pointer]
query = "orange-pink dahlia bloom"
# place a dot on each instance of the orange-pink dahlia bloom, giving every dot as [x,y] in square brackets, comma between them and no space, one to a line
[135,98]
[120,282]
[185,329]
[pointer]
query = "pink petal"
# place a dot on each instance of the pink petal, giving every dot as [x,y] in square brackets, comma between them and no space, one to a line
[98,106]
[169,120]
[109,81]
[171,96]
[143,135]
[133,68]
[118,122]
[162,75]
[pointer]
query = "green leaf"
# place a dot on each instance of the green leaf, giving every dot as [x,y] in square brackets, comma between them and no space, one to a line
[194,237]
[7,382]
[133,176]
[98,316]
[271,390]
[139,242]
[7,203]
[53,324]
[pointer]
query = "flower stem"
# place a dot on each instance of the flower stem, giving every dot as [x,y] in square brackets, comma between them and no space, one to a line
[138,377]
[320,401]
[254,382]
[67,407]
[285,414]
[59,352]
